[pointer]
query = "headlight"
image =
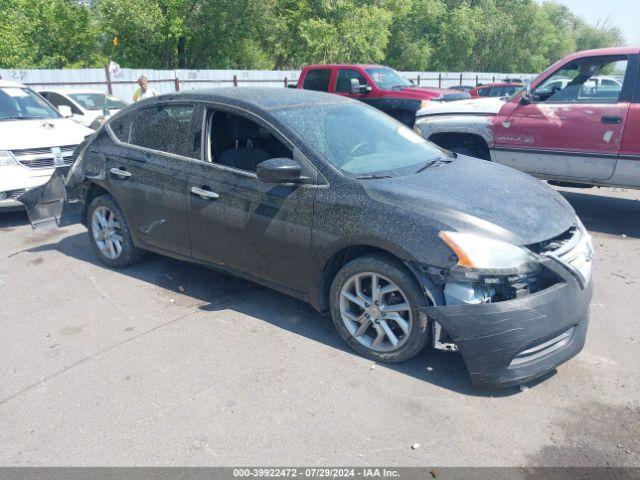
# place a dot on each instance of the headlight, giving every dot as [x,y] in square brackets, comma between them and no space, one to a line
[6,159]
[478,255]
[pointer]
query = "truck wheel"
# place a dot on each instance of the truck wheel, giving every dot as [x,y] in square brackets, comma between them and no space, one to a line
[374,307]
[109,233]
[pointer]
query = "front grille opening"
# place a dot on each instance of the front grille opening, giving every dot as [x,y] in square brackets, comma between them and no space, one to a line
[554,243]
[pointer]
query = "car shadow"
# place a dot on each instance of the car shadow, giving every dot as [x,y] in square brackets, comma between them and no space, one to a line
[209,290]
[610,215]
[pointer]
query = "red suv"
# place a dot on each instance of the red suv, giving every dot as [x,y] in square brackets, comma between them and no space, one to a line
[379,86]
[577,123]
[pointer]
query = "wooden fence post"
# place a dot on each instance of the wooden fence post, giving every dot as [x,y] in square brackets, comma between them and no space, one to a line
[440,80]
[108,76]
[235,80]
[461,79]
[177,83]
[285,82]
[418,79]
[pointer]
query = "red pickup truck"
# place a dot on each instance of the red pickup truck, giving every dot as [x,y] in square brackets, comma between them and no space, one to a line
[379,86]
[569,126]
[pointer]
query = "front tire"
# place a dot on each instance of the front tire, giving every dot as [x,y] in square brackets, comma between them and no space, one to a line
[109,233]
[374,307]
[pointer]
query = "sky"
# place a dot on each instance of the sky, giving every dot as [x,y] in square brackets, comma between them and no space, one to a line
[623,13]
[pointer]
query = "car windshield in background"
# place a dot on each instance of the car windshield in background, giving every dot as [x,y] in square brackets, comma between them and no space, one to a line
[97,101]
[361,141]
[387,78]
[17,103]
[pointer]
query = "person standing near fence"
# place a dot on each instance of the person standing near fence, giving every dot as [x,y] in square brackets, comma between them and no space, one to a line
[143,91]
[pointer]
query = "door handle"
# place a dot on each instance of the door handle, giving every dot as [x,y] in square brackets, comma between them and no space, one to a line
[204,194]
[611,120]
[118,172]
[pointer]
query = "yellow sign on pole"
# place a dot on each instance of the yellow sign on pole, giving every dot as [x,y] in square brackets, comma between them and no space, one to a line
[115,41]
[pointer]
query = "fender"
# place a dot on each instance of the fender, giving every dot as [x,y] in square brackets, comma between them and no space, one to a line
[481,125]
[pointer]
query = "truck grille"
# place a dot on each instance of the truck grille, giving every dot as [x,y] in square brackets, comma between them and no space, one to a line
[46,157]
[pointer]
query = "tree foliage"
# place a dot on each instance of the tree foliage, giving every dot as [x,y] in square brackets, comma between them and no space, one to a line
[453,35]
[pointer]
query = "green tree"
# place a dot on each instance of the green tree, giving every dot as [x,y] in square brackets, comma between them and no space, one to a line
[326,31]
[47,34]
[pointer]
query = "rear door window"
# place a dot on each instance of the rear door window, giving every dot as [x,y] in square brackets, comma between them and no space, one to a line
[164,128]
[317,79]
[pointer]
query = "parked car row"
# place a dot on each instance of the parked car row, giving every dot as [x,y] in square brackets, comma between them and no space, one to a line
[403,242]
[39,132]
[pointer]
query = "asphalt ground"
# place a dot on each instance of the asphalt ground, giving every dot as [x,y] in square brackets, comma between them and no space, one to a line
[166,363]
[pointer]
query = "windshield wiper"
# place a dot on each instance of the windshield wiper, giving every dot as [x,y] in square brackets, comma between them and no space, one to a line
[397,87]
[373,177]
[433,163]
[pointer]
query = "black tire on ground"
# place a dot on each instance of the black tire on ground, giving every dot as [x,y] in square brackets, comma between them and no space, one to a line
[419,333]
[129,254]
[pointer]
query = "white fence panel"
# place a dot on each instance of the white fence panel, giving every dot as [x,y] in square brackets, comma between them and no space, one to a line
[123,81]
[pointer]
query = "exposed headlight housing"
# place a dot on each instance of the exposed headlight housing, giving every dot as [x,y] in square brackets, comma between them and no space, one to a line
[6,159]
[479,255]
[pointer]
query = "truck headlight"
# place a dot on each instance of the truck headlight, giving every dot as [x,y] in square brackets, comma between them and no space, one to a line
[6,159]
[480,255]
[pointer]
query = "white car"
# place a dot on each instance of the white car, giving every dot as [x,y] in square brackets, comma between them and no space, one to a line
[87,107]
[35,139]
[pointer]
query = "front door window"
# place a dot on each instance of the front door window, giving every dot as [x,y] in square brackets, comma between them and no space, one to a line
[588,80]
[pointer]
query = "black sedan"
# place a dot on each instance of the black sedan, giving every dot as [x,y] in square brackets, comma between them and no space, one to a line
[333,202]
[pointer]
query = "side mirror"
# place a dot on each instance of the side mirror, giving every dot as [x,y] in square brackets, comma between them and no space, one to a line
[279,170]
[65,111]
[357,88]
[527,97]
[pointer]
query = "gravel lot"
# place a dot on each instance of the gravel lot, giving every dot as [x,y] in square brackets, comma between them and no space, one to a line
[166,363]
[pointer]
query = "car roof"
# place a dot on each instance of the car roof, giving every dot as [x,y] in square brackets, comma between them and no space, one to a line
[8,83]
[266,99]
[613,51]
[343,65]
[67,91]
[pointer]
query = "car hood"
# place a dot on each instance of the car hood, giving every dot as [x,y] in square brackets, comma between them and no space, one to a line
[427,93]
[53,132]
[480,197]
[478,106]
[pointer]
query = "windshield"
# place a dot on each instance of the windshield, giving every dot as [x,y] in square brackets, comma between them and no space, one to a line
[23,103]
[387,78]
[359,140]
[96,101]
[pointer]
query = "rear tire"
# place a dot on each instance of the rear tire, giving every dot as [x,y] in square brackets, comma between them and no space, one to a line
[109,233]
[374,306]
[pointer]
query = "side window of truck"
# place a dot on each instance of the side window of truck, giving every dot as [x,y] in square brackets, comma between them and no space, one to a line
[581,82]
[343,83]
[317,79]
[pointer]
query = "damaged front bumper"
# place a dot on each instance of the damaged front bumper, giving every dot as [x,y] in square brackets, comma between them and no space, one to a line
[514,341]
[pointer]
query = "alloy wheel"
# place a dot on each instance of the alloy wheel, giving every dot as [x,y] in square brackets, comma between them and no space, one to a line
[107,232]
[375,311]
